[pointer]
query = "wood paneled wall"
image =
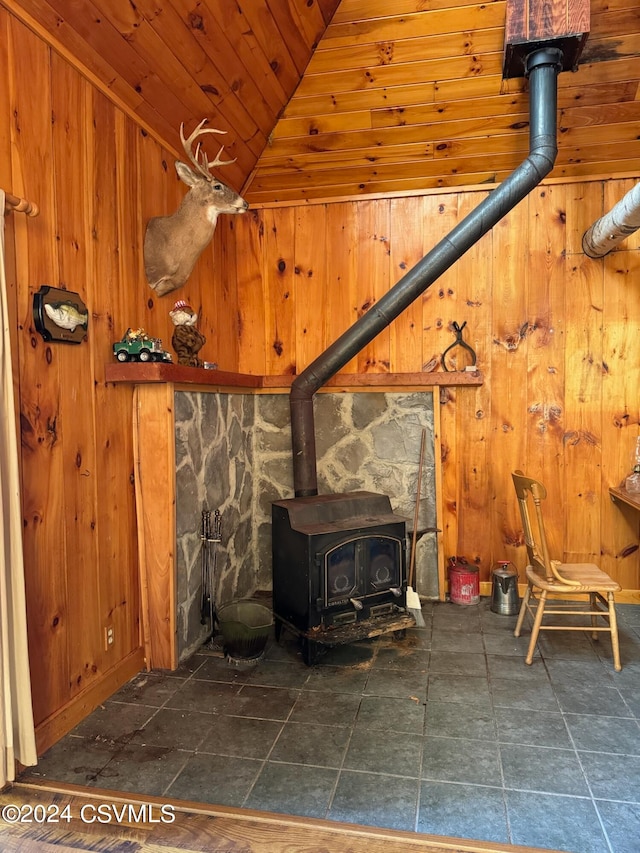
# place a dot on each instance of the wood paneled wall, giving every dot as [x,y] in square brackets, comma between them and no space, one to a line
[557,337]
[96,179]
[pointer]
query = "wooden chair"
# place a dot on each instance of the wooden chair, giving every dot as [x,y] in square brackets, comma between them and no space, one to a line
[570,580]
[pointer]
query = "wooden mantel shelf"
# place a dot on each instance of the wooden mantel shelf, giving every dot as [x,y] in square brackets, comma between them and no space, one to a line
[138,374]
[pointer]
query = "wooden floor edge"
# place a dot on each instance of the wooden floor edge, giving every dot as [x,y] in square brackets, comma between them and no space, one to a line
[408,840]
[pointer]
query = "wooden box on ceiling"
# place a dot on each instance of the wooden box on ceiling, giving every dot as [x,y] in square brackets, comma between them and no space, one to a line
[532,24]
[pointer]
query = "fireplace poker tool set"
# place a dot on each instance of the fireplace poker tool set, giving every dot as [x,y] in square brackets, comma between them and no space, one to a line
[211,536]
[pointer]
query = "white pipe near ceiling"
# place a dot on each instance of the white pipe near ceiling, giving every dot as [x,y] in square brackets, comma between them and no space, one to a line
[615,226]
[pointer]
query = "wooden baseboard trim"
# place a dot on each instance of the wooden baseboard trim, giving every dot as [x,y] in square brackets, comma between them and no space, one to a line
[50,731]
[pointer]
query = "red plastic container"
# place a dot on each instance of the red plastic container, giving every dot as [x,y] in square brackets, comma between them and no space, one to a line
[464,582]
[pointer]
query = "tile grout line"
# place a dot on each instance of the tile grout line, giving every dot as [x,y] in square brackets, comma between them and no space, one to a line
[594,800]
[189,753]
[424,729]
[334,789]
[264,761]
[505,802]
[581,765]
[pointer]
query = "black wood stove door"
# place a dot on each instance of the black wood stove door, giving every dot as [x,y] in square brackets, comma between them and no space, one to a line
[361,567]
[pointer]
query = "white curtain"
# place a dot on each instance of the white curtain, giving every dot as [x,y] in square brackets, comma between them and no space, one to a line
[17,735]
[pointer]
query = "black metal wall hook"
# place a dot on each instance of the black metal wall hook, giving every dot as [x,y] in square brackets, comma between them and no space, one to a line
[459,342]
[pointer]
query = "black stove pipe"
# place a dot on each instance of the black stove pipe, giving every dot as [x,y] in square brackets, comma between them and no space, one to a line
[541,67]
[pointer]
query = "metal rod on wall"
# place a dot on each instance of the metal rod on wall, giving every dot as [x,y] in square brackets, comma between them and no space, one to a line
[20,205]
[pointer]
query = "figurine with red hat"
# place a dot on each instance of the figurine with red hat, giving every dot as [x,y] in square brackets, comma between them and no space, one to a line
[187,341]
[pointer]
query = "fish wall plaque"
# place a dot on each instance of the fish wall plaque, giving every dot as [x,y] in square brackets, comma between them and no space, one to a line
[60,315]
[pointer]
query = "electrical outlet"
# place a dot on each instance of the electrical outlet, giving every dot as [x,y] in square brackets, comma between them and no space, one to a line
[108,637]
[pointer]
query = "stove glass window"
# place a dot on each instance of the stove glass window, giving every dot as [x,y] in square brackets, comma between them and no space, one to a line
[367,565]
[383,560]
[341,572]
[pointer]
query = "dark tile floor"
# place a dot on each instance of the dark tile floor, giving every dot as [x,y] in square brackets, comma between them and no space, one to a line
[446,731]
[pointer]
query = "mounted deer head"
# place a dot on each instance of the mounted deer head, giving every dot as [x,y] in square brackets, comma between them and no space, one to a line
[173,244]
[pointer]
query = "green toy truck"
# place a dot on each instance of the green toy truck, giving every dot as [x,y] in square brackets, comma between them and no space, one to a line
[137,345]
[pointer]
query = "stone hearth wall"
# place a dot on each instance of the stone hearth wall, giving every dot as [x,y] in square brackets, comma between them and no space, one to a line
[367,441]
[214,471]
[233,453]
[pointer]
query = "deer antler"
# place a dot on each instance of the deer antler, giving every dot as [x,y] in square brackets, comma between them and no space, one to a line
[198,158]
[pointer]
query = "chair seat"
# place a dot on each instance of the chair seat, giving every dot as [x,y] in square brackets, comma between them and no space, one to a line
[591,579]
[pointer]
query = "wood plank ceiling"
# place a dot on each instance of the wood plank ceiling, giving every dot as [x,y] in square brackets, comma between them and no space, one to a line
[172,61]
[342,98]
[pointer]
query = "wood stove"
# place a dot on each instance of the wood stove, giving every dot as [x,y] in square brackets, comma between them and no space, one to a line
[339,569]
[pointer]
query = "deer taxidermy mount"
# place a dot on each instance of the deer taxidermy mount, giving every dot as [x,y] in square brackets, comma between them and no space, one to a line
[173,244]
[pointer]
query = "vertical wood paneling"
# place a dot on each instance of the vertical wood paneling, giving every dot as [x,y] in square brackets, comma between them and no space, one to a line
[440,216]
[621,414]
[198,294]
[5,126]
[407,230]
[116,494]
[227,314]
[310,283]
[373,278]
[582,434]
[40,379]
[472,301]
[117,543]
[279,269]
[439,311]
[157,539]
[76,398]
[88,169]
[509,388]
[342,273]
[6,182]
[584,206]
[251,293]
[546,289]
[130,189]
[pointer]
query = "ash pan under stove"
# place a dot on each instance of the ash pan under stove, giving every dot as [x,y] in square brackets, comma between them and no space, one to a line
[339,569]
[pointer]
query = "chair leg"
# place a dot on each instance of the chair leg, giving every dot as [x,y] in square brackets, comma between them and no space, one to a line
[536,627]
[594,616]
[523,610]
[613,625]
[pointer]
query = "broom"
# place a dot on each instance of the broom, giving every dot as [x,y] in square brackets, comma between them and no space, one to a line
[413,599]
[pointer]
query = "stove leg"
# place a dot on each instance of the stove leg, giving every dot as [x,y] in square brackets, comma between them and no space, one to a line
[277,629]
[310,651]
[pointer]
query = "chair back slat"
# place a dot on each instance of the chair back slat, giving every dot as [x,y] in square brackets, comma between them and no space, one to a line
[528,489]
